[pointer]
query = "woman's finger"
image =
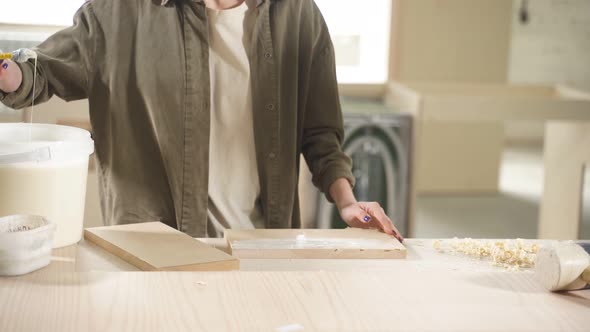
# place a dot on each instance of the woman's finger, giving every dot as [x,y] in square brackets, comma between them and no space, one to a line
[374,209]
[383,221]
[385,224]
[396,232]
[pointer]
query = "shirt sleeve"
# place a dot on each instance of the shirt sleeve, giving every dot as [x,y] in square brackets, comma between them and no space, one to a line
[64,64]
[323,128]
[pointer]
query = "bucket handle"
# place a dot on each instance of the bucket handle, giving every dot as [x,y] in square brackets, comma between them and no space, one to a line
[37,155]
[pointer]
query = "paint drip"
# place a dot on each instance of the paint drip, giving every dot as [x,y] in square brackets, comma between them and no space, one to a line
[30,120]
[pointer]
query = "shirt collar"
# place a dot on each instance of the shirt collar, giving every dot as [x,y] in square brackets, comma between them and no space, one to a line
[257,2]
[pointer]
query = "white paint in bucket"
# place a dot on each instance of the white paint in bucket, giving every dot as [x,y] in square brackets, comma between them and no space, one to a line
[45,176]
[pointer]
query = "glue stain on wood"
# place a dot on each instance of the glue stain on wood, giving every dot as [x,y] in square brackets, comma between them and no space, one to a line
[308,243]
[313,243]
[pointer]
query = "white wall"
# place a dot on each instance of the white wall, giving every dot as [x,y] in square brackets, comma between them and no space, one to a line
[554,47]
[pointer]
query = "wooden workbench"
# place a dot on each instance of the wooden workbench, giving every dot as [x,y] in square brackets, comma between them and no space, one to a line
[85,289]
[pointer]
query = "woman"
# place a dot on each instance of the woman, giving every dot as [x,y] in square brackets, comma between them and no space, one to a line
[201,109]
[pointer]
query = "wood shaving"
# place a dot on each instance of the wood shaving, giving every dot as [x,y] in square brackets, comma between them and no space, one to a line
[202,283]
[436,245]
[512,255]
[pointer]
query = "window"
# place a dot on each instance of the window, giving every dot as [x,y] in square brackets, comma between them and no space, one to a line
[360,31]
[40,12]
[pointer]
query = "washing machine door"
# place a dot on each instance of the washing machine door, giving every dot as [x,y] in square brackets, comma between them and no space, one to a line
[380,166]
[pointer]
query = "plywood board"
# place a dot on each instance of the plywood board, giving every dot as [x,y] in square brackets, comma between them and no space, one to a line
[350,243]
[157,247]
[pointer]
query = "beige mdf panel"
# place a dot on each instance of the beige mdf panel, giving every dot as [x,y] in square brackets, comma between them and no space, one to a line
[451,40]
[154,246]
[459,127]
[308,197]
[459,157]
[92,211]
[55,109]
[566,156]
[482,102]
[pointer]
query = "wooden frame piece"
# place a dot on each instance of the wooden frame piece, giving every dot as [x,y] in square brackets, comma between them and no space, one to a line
[350,243]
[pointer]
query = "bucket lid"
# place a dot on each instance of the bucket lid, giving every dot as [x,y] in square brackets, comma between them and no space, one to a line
[34,143]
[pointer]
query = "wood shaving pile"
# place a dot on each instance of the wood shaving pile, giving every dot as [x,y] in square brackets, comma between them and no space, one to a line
[509,254]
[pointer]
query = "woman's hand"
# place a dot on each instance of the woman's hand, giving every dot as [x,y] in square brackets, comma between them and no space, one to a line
[11,76]
[368,215]
[360,214]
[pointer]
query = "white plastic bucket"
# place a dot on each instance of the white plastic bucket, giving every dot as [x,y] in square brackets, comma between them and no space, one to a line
[43,171]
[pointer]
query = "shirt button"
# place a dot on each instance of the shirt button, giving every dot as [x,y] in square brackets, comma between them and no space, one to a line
[272,155]
[268,55]
[270,107]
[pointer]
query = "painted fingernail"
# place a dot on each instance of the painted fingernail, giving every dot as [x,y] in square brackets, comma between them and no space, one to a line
[366,219]
[5,65]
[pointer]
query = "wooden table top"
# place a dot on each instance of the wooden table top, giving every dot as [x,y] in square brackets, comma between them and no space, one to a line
[87,289]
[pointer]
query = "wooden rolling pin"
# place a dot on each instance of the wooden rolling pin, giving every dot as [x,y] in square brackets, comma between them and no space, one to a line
[564,267]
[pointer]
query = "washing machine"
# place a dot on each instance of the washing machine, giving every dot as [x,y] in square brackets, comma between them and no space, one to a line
[379,141]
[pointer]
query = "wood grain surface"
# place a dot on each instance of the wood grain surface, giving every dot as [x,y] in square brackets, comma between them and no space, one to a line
[428,291]
[349,243]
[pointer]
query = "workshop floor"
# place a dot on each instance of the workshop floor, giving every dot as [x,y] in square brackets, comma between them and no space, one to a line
[512,213]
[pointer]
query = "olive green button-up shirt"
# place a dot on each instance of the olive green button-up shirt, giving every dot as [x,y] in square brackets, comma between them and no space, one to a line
[143,65]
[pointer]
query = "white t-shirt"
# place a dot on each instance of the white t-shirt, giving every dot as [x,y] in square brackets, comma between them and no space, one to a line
[234,186]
